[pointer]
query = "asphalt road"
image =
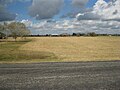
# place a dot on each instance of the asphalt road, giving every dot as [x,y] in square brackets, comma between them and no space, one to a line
[61,76]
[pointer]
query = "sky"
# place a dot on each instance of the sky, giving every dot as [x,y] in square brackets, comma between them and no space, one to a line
[63,16]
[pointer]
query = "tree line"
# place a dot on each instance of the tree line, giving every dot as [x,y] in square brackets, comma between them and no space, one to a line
[14,29]
[89,34]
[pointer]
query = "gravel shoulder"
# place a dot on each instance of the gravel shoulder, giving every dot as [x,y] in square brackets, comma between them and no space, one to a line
[61,76]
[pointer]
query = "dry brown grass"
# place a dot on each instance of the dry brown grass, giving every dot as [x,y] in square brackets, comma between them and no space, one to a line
[77,48]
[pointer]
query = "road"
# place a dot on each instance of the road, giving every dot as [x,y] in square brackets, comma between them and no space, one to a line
[61,76]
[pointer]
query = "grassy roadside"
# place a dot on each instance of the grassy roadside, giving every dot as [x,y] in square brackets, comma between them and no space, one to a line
[78,48]
[60,49]
[10,53]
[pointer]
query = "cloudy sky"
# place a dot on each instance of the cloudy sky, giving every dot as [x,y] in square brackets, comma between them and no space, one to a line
[63,16]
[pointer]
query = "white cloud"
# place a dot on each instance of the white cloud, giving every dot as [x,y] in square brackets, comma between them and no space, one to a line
[73,26]
[88,16]
[106,10]
[103,18]
[28,23]
[103,11]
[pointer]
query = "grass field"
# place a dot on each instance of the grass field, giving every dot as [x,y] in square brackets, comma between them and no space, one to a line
[61,49]
[10,53]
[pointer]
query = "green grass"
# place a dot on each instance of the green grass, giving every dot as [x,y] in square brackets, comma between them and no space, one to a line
[10,52]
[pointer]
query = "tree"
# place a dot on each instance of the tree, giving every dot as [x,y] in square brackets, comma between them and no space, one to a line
[2,35]
[18,29]
[6,30]
[1,28]
[92,34]
[24,31]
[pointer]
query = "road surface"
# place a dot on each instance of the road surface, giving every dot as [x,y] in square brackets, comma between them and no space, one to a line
[61,76]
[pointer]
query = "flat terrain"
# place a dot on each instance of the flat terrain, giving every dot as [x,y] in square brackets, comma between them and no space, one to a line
[61,76]
[77,48]
[59,49]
